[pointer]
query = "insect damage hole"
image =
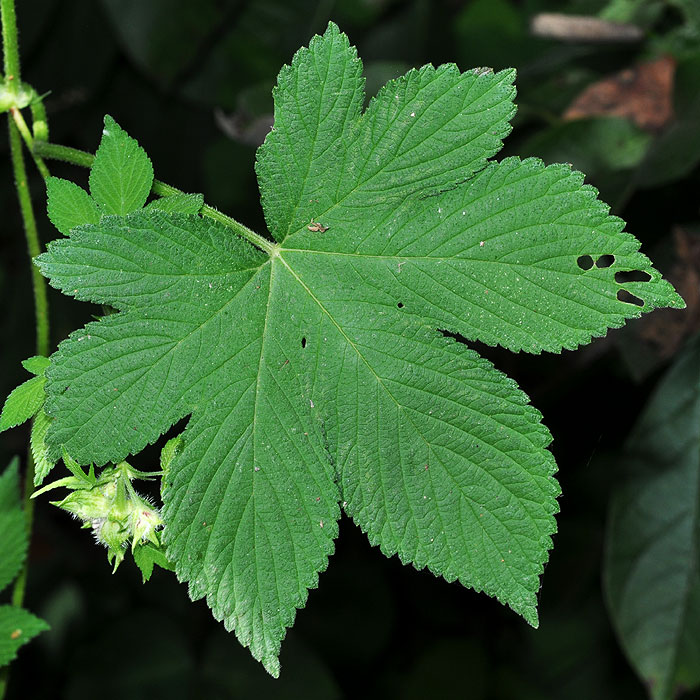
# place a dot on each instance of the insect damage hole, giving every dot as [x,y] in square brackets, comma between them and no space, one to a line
[605,261]
[632,276]
[400,305]
[585,262]
[628,298]
[303,342]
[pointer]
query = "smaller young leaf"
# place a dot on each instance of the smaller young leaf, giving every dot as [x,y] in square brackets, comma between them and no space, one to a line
[43,464]
[13,543]
[146,555]
[170,450]
[69,205]
[17,627]
[22,403]
[122,174]
[36,365]
[182,203]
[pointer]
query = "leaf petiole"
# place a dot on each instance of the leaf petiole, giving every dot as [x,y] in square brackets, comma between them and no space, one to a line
[161,189]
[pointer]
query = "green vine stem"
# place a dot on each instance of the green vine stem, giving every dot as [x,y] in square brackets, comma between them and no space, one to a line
[10,45]
[41,306]
[84,159]
[13,85]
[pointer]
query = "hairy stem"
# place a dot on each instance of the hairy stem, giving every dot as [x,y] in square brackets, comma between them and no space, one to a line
[74,156]
[10,45]
[41,307]
[84,159]
[32,236]
[29,140]
[40,122]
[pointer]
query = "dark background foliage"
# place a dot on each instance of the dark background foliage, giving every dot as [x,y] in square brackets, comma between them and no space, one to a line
[191,81]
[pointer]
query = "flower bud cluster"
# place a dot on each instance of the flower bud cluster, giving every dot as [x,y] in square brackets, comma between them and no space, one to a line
[114,510]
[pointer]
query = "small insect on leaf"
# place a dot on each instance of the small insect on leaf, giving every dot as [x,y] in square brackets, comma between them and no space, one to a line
[16,634]
[316,227]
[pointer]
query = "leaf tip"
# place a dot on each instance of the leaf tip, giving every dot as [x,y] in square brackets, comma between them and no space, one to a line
[677,301]
[272,665]
[509,75]
[109,123]
[332,29]
[530,615]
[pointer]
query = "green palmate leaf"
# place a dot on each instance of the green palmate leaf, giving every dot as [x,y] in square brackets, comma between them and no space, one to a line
[13,544]
[122,174]
[651,567]
[317,375]
[69,205]
[22,403]
[17,627]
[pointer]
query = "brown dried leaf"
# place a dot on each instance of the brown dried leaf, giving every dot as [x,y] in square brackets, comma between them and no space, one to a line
[642,94]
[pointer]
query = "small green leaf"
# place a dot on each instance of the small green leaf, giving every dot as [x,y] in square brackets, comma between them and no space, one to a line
[121,175]
[13,543]
[17,627]
[69,205]
[36,365]
[43,464]
[171,449]
[183,203]
[146,555]
[653,540]
[23,403]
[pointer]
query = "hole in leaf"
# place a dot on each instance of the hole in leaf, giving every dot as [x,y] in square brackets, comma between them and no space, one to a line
[585,262]
[632,276]
[625,296]
[303,342]
[605,261]
[400,305]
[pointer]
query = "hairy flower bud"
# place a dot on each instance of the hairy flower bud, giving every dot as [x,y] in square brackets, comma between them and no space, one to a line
[144,522]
